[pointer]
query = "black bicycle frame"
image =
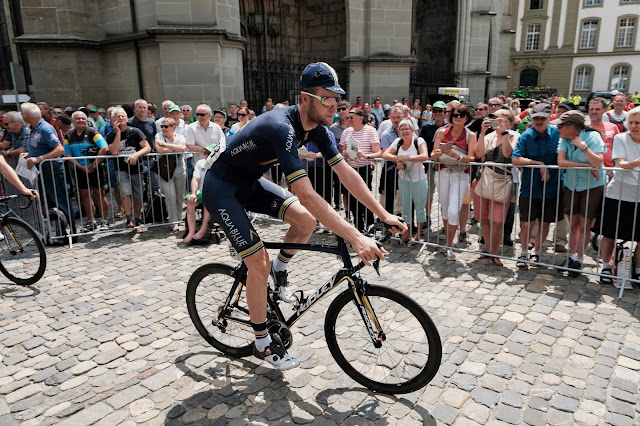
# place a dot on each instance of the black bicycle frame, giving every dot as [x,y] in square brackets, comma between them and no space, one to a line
[345,273]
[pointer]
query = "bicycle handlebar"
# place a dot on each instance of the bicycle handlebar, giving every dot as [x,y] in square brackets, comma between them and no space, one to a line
[5,199]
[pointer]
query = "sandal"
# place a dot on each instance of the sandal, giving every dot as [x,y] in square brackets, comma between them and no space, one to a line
[522,261]
[606,280]
[534,258]
[496,261]
[530,246]
[450,255]
[481,256]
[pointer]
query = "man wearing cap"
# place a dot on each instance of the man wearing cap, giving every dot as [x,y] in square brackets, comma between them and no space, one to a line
[96,121]
[581,147]
[540,188]
[428,133]
[204,132]
[234,181]
[220,118]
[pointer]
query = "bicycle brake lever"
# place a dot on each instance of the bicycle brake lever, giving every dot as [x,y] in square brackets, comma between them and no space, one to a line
[376,265]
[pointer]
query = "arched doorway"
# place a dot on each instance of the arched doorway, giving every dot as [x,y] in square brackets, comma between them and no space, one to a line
[529,77]
[283,38]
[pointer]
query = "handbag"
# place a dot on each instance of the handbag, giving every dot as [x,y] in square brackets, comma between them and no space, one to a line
[496,184]
[164,166]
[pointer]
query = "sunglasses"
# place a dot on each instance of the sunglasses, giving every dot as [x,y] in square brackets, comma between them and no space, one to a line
[186,110]
[201,114]
[481,109]
[495,105]
[165,126]
[351,117]
[242,115]
[447,112]
[457,115]
[438,110]
[342,109]
[324,100]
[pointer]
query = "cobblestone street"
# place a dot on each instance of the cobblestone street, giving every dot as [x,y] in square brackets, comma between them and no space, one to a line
[104,338]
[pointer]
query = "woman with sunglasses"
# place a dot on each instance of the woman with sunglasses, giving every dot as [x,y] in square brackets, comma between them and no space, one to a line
[452,173]
[169,142]
[243,117]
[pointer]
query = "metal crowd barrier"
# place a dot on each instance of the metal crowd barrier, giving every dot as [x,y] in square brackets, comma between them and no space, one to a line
[61,183]
[32,215]
[560,233]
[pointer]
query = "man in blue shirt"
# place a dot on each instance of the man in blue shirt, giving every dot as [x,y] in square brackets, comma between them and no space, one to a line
[539,189]
[16,136]
[45,145]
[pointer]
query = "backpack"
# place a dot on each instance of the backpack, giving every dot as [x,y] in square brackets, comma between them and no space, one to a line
[55,227]
[156,211]
[619,123]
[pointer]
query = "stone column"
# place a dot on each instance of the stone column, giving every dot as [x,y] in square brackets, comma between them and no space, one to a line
[378,49]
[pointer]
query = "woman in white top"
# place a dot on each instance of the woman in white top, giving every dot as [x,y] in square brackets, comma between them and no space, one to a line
[166,143]
[621,218]
[409,153]
[243,116]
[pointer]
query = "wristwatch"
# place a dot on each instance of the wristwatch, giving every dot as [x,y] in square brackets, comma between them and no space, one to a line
[585,148]
[506,132]
[460,159]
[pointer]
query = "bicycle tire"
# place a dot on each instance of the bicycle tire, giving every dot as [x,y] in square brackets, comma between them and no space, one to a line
[22,255]
[416,337]
[207,291]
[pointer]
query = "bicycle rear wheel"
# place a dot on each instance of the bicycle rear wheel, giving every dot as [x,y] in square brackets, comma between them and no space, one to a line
[410,354]
[207,292]
[22,256]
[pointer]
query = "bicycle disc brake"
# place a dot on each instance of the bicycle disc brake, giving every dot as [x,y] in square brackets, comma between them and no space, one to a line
[280,328]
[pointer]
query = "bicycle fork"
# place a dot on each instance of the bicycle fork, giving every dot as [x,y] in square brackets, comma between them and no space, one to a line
[8,232]
[366,312]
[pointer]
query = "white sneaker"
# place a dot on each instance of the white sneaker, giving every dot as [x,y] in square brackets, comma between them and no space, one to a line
[276,354]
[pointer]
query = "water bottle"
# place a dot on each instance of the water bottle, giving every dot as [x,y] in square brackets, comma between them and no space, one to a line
[623,267]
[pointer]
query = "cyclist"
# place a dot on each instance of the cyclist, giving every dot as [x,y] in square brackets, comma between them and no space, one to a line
[234,182]
[7,171]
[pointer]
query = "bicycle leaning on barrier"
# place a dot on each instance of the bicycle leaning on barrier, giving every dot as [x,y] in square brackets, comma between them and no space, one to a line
[22,256]
[379,336]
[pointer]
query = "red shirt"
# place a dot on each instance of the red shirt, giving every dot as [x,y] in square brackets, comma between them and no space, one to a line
[360,105]
[609,131]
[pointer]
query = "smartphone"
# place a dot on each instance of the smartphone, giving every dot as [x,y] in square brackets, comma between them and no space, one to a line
[494,122]
[446,146]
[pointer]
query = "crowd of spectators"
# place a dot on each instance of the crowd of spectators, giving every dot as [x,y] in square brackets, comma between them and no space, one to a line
[401,136]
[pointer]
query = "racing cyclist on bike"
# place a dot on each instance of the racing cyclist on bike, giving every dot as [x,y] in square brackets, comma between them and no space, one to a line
[234,182]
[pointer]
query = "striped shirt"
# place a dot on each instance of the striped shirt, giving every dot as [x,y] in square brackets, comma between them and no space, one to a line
[366,138]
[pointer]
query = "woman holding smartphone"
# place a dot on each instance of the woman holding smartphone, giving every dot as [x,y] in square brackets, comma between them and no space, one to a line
[450,150]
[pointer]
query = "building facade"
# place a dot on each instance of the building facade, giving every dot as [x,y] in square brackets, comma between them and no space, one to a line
[576,46]
[76,52]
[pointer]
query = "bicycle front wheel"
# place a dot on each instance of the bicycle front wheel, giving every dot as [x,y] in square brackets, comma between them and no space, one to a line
[411,351]
[225,329]
[22,256]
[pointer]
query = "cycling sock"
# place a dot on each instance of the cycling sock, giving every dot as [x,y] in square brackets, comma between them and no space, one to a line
[263,339]
[280,263]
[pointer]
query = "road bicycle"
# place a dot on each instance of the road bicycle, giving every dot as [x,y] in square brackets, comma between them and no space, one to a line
[379,336]
[22,255]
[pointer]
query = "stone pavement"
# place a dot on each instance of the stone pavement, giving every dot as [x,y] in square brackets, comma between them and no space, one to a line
[105,339]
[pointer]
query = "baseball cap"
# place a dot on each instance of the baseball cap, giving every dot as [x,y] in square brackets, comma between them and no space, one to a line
[439,104]
[217,111]
[541,110]
[566,105]
[357,111]
[573,118]
[211,147]
[320,74]
[174,107]
[93,109]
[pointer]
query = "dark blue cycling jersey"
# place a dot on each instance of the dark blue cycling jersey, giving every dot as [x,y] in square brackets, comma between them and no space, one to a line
[235,183]
[271,138]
